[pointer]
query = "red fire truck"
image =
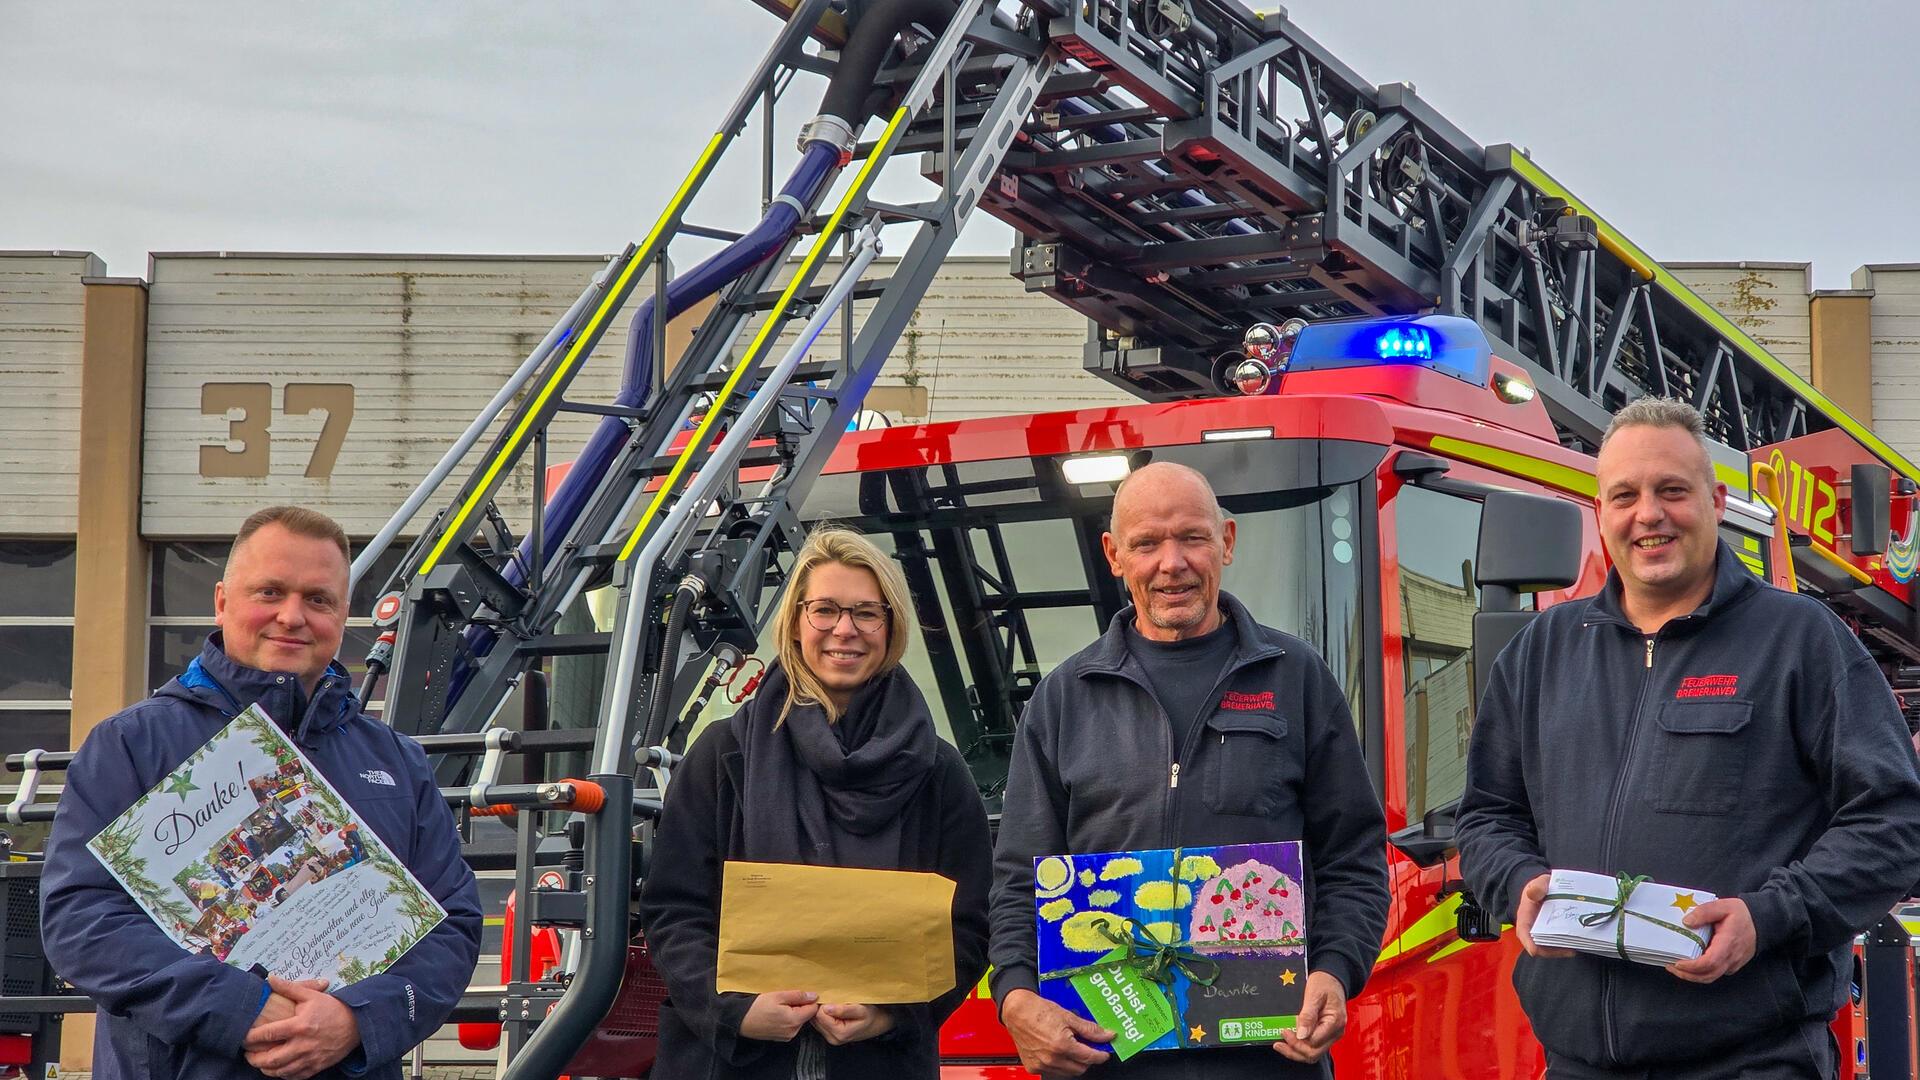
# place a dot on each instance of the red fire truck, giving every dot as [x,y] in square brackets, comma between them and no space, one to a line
[1177,172]
[1361,481]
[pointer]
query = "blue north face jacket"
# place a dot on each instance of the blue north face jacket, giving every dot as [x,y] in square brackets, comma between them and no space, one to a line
[166,1012]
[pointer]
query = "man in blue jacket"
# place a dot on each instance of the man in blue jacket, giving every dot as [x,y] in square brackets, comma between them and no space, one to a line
[281,608]
[1188,724]
[1696,725]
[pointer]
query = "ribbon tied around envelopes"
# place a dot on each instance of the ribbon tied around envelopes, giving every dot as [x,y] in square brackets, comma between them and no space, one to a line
[1616,908]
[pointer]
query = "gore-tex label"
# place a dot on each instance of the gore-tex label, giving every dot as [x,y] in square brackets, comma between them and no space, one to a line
[1694,686]
[1239,702]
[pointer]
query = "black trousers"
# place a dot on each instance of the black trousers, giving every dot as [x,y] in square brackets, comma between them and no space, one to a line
[1798,1053]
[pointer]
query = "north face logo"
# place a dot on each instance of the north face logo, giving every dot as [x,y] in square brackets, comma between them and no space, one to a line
[1247,702]
[1708,686]
[378,776]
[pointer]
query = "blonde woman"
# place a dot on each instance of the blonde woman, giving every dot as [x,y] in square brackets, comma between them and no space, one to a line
[834,762]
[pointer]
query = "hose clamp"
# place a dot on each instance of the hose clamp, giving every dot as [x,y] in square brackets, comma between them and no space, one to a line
[830,130]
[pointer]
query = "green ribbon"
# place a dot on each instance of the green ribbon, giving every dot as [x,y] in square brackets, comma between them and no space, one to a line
[1152,958]
[1617,907]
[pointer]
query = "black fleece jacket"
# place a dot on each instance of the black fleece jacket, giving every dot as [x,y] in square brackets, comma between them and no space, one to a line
[945,833]
[1093,770]
[1751,749]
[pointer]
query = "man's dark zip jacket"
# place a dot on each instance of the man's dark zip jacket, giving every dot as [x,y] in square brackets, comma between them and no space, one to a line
[1094,769]
[168,1013]
[1751,748]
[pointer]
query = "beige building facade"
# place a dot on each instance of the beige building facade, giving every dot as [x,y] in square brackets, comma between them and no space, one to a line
[142,418]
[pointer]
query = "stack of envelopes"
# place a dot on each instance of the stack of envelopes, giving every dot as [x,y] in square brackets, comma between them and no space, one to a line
[1627,917]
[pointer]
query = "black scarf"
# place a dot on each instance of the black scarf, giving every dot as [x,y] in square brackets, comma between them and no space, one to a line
[833,794]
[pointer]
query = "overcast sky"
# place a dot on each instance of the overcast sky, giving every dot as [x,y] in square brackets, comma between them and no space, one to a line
[1705,129]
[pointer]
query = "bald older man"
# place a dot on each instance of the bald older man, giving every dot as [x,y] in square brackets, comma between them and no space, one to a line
[1131,744]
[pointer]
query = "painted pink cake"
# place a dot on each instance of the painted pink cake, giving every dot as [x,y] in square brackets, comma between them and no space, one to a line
[1249,905]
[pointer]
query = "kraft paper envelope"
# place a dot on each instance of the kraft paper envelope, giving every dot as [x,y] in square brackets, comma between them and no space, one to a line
[871,937]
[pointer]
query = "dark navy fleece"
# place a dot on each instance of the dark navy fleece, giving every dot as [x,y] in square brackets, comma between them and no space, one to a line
[165,1012]
[1751,749]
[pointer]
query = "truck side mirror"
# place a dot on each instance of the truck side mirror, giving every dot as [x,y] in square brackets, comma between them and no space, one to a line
[1870,518]
[1527,543]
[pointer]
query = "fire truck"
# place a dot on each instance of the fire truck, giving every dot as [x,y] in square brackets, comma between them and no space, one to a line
[1410,462]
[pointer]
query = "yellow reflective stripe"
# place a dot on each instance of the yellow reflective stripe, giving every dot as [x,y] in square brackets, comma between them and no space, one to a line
[1534,175]
[880,151]
[1735,480]
[1552,473]
[1443,919]
[1449,950]
[575,351]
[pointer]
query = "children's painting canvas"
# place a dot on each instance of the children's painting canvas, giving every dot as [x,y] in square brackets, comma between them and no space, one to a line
[1183,948]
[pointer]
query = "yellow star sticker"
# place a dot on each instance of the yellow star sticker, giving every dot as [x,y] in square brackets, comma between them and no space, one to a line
[1685,901]
[1196,1033]
[1287,977]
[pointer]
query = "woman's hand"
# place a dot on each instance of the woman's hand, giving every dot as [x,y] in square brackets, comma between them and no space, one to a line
[843,1024]
[778,1016]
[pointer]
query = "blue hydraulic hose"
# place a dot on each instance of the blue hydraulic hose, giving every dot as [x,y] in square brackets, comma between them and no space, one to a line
[818,161]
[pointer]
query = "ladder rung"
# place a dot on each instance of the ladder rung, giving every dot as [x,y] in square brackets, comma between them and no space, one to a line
[625,411]
[565,645]
[710,233]
[754,456]
[813,294]
[809,371]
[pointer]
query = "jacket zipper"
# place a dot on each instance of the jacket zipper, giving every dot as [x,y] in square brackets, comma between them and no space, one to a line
[1170,815]
[1613,814]
[1192,746]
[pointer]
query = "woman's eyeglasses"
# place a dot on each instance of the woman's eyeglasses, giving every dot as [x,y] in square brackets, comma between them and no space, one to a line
[825,615]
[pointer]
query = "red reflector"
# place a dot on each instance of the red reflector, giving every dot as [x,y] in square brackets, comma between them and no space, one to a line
[16,1049]
[480,1036]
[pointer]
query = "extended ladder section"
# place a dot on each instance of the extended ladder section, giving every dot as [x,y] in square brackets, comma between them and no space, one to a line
[656,504]
[1197,168]
[484,596]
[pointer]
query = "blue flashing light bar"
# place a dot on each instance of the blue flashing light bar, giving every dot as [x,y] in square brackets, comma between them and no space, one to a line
[1448,344]
[1411,343]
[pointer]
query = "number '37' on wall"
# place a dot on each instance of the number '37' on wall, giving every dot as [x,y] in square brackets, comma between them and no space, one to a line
[248,409]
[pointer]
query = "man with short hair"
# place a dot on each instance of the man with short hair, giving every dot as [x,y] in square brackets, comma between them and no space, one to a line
[164,1012]
[1695,725]
[1188,724]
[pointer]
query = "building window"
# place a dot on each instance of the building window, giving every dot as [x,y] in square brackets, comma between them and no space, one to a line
[36,644]
[180,611]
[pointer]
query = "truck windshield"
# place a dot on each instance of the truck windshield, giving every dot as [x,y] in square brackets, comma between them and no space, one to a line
[1008,578]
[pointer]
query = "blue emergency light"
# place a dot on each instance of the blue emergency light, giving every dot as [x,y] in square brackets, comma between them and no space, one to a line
[1448,344]
[1412,343]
